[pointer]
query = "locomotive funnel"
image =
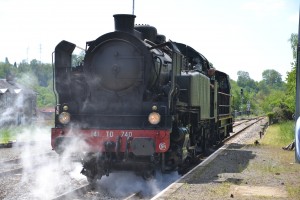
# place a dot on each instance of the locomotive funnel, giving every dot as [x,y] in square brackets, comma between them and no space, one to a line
[124,22]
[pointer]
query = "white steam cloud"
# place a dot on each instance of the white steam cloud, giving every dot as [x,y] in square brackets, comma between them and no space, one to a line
[122,184]
[46,175]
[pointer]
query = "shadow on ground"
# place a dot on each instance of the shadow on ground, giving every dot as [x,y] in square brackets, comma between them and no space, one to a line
[232,160]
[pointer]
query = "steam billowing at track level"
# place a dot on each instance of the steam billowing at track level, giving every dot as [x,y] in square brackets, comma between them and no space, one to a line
[138,103]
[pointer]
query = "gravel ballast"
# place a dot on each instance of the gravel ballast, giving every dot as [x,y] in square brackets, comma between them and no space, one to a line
[242,171]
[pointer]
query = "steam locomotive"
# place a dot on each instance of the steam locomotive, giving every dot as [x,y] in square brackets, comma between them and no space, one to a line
[138,102]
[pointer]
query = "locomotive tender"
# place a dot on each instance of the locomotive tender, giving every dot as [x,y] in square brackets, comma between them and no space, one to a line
[138,102]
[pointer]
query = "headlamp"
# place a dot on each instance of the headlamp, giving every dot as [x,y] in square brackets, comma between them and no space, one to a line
[154,118]
[65,107]
[64,117]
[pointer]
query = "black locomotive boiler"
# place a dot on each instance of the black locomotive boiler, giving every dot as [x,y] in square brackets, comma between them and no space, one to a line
[138,102]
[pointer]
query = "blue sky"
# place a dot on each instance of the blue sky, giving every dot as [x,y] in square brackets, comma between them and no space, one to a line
[247,35]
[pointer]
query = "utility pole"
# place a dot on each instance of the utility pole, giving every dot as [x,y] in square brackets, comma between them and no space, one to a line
[27,54]
[133,7]
[242,101]
[297,113]
[40,53]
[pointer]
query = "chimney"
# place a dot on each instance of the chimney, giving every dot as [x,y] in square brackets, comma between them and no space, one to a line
[124,22]
[10,78]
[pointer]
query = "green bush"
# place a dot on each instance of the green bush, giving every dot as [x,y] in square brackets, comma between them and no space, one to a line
[282,113]
[271,117]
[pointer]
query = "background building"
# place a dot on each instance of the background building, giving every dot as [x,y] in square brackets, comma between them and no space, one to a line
[17,103]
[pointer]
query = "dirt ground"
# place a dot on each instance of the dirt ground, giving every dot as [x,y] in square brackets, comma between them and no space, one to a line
[243,171]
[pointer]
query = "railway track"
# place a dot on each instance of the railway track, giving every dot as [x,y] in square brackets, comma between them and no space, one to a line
[136,195]
[178,183]
[15,166]
[81,189]
[73,194]
[79,192]
[240,122]
[76,193]
[243,126]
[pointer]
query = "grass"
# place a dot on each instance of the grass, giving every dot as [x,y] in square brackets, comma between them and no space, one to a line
[13,132]
[7,134]
[222,189]
[277,136]
[269,167]
[280,134]
[293,190]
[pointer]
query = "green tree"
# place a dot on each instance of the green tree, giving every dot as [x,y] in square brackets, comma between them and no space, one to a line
[24,67]
[274,99]
[45,97]
[240,101]
[43,72]
[244,81]
[263,87]
[3,69]
[272,78]
[291,76]
[34,75]
[236,97]
[291,90]
[294,41]
[243,78]
[7,69]
[77,59]
[6,61]
[28,79]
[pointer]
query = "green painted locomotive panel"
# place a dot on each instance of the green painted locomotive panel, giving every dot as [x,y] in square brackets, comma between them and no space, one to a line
[195,91]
